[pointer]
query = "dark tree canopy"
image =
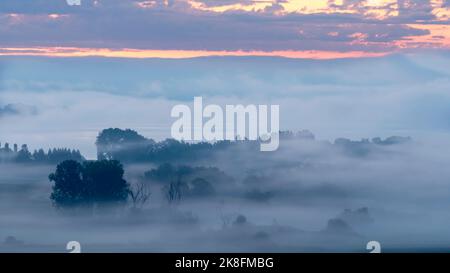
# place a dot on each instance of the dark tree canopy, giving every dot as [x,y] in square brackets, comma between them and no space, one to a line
[69,188]
[88,183]
[199,187]
[104,180]
[125,145]
[128,146]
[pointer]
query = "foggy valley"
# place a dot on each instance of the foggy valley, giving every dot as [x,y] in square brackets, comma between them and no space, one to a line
[310,195]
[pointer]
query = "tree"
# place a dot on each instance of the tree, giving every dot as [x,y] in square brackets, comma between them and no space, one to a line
[69,189]
[104,181]
[199,187]
[23,155]
[125,145]
[139,194]
[39,155]
[174,191]
[89,183]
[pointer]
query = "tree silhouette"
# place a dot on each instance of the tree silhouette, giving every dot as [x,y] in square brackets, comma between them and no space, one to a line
[69,189]
[105,181]
[174,191]
[125,145]
[89,183]
[139,194]
[199,187]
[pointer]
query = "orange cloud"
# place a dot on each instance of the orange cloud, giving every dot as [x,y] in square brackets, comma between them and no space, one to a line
[177,54]
[379,9]
[256,5]
[439,37]
[441,12]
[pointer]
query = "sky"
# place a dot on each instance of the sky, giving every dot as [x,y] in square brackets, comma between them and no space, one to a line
[319,29]
[345,68]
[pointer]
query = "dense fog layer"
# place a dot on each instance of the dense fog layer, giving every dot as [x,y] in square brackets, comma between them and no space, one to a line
[309,196]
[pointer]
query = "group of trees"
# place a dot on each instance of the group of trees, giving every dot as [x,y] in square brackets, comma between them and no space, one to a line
[366,146]
[124,145]
[79,182]
[128,146]
[93,183]
[188,182]
[89,183]
[23,155]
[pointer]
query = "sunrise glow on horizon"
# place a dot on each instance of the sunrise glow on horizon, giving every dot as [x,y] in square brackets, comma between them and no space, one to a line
[320,29]
[179,54]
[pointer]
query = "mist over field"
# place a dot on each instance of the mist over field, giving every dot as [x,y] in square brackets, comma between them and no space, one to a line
[317,193]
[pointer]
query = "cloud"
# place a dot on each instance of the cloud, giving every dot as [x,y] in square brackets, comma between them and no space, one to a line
[183,25]
[17,109]
[218,3]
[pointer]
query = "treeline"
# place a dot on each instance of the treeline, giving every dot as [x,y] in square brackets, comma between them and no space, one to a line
[23,155]
[365,146]
[130,147]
